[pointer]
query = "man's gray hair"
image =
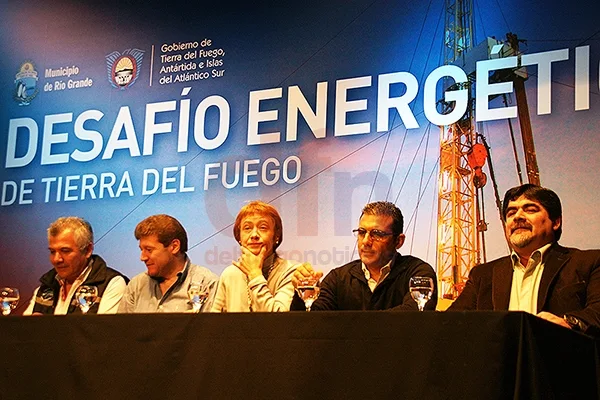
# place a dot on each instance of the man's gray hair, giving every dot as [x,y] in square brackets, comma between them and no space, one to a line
[82,230]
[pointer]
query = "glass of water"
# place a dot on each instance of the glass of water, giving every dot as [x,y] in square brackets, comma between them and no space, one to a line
[308,291]
[86,297]
[198,293]
[9,298]
[421,290]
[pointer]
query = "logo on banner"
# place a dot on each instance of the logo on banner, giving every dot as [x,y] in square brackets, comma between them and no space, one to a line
[26,84]
[124,69]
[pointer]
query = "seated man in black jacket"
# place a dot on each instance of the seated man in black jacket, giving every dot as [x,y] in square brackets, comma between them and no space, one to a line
[380,279]
[71,244]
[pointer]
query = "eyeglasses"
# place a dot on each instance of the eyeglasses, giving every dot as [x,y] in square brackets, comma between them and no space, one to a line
[374,234]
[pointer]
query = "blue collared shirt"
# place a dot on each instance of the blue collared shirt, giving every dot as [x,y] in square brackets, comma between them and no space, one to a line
[143,294]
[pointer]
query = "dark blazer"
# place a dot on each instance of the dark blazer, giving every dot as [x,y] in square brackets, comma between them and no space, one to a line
[570,285]
[346,288]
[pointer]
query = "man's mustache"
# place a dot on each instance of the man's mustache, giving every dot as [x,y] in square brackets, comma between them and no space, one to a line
[521,225]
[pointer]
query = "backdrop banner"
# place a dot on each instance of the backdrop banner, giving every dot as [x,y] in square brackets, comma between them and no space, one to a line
[117,111]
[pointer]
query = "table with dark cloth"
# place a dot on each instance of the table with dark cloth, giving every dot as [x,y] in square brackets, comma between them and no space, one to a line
[296,355]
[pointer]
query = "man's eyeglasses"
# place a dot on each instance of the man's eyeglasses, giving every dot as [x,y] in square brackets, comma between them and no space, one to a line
[374,234]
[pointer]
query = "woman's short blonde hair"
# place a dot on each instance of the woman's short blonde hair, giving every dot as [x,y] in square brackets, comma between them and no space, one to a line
[261,208]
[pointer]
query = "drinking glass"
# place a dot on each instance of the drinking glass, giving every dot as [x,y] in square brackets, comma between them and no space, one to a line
[198,292]
[308,291]
[421,290]
[86,297]
[9,298]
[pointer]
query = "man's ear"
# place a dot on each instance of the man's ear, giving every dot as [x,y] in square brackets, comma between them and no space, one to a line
[175,246]
[400,240]
[557,224]
[89,250]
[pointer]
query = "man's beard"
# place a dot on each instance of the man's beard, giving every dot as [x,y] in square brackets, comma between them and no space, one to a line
[522,239]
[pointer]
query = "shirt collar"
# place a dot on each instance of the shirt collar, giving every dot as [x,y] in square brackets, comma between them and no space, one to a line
[181,275]
[82,276]
[537,256]
[385,270]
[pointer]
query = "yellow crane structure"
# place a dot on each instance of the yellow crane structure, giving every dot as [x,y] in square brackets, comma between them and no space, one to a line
[457,248]
[461,227]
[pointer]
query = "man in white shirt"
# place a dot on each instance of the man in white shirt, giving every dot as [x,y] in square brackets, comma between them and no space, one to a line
[559,284]
[71,244]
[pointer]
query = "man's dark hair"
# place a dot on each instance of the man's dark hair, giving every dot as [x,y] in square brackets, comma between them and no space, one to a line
[165,227]
[546,197]
[389,209]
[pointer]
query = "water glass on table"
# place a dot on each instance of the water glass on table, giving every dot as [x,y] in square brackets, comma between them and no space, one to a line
[421,290]
[308,290]
[86,297]
[9,298]
[198,293]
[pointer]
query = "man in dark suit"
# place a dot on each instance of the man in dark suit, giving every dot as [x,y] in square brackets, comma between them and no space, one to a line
[559,284]
[380,279]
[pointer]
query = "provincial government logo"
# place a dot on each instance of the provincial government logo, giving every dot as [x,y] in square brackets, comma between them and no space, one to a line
[26,84]
[124,69]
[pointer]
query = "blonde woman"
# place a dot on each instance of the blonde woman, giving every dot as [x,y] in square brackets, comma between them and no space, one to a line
[259,281]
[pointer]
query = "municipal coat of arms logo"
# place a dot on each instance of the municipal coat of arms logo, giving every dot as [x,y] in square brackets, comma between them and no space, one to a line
[124,68]
[26,84]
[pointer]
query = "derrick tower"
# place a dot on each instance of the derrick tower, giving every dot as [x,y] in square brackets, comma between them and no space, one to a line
[457,246]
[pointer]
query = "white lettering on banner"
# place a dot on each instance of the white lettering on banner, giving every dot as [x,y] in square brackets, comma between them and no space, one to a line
[61,71]
[255,116]
[297,104]
[165,48]
[51,138]
[123,123]
[97,186]
[151,128]
[264,107]
[544,62]
[122,136]
[582,78]
[199,122]
[78,187]
[28,127]
[401,104]
[88,135]
[184,122]
[344,106]
[191,76]
[167,181]
[460,97]
[211,53]
[165,58]
[271,171]
[485,89]
[10,192]
[81,83]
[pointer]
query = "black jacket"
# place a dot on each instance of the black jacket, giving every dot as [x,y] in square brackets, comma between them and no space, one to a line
[346,288]
[47,294]
[570,284]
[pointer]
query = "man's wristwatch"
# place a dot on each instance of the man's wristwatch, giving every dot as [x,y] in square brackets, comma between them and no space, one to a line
[575,323]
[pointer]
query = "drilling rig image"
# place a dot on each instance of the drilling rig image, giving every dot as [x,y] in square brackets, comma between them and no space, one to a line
[461,223]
